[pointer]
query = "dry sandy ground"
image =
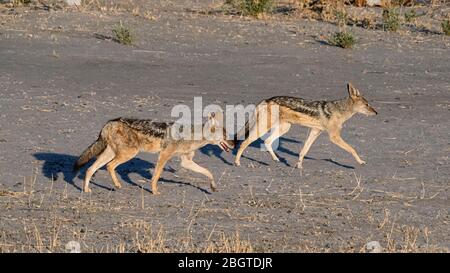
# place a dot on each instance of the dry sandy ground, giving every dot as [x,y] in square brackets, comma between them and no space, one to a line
[59,84]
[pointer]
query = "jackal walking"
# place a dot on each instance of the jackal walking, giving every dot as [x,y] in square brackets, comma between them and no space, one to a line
[122,139]
[317,115]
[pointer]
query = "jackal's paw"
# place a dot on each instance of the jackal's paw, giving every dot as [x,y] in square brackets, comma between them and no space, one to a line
[87,190]
[299,165]
[237,163]
[214,188]
[362,162]
[156,192]
[117,186]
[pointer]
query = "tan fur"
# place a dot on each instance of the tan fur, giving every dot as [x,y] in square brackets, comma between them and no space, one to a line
[318,116]
[123,141]
[93,150]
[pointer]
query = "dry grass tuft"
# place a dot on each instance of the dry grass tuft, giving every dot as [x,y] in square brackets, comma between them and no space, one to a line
[148,241]
[391,19]
[342,39]
[229,244]
[21,3]
[11,193]
[446,27]
[251,7]
[122,34]
[405,239]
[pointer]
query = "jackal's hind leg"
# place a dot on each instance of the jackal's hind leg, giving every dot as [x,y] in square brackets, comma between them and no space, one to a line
[277,132]
[106,156]
[123,156]
[256,132]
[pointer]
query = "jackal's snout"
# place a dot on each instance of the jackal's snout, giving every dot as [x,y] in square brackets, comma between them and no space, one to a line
[363,107]
[227,144]
[372,111]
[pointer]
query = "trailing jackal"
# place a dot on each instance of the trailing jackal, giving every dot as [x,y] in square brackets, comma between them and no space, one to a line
[122,139]
[317,115]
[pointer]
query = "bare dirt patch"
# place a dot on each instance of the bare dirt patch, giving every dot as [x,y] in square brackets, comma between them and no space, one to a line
[62,78]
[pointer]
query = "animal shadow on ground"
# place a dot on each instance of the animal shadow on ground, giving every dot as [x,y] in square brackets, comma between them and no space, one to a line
[56,165]
[216,151]
[281,149]
[259,144]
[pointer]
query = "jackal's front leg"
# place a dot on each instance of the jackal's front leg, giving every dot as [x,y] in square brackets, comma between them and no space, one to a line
[337,139]
[164,156]
[312,136]
[188,163]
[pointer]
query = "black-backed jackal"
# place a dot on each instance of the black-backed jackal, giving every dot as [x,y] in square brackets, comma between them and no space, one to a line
[317,115]
[122,139]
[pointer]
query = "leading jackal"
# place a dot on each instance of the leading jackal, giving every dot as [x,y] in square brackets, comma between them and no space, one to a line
[318,115]
[121,139]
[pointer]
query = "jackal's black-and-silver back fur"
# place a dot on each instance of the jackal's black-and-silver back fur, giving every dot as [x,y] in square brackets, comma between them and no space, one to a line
[318,115]
[314,109]
[311,108]
[147,127]
[121,139]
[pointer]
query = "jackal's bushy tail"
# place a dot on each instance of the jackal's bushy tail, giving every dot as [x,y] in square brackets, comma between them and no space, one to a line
[94,149]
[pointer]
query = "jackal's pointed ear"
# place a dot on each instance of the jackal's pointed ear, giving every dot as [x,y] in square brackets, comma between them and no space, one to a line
[352,91]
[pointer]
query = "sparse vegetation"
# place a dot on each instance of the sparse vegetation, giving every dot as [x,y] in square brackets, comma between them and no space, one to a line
[410,16]
[446,27]
[401,3]
[342,39]
[341,18]
[229,244]
[51,234]
[261,207]
[391,19]
[122,34]
[251,7]
[18,3]
[368,23]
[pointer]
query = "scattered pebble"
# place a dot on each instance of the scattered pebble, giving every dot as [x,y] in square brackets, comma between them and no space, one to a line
[73,247]
[374,247]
